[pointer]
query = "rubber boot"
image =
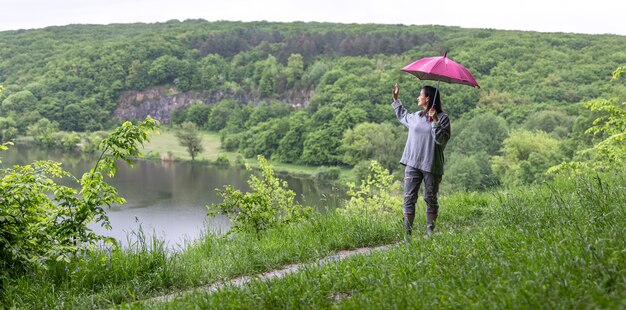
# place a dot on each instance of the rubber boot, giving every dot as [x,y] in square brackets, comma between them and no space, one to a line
[430,223]
[408,223]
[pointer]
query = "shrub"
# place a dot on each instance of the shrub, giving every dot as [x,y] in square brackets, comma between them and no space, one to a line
[378,196]
[240,161]
[269,205]
[327,173]
[222,161]
[41,221]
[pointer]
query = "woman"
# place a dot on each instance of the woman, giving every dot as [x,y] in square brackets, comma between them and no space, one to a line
[429,131]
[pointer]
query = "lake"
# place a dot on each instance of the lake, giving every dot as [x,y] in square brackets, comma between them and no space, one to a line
[166,199]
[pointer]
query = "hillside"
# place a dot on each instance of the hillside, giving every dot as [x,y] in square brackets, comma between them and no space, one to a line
[301,92]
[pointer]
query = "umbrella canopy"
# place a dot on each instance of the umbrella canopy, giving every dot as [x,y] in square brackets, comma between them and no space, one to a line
[441,69]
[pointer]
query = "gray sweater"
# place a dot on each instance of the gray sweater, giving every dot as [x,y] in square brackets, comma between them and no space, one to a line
[426,141]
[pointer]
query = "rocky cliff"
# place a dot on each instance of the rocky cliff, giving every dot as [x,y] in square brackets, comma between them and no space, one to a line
[159,102]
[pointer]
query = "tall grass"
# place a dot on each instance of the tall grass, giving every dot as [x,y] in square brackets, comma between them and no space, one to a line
[558,245]
[105,278]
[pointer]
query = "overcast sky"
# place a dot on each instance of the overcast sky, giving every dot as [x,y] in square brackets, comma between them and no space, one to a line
[578,16]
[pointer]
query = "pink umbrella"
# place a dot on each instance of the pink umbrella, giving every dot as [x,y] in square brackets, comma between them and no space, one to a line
[441,69]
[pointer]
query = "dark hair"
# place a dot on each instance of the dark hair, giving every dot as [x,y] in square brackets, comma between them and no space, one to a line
[434,98]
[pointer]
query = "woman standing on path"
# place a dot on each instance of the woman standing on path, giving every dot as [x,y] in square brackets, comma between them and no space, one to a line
[429,131]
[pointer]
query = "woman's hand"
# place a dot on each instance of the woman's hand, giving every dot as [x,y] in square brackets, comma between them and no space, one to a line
[433,114]
[395,92]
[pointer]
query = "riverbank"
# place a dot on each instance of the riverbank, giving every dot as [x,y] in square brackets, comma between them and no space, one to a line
[166,142]
[555,245]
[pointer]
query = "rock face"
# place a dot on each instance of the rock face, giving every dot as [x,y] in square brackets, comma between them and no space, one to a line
[159,102]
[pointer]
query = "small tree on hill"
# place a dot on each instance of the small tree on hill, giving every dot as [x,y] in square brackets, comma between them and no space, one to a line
[189,137]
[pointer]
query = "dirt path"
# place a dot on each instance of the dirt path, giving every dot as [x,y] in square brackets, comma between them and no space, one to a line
[276,273]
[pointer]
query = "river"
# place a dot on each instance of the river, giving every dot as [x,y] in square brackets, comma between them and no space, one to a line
[168,200]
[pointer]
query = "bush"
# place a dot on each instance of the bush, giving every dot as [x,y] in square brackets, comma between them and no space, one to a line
[70,141]
[378,196]
[269,205]
[41,221]
[326,173]
[240,161]
[222,161]
[91,142]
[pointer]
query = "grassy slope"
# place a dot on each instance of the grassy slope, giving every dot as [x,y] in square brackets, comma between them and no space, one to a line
[558,245]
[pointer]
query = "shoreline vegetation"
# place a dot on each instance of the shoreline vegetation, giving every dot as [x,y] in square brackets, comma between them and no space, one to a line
[166,143]
[557,245]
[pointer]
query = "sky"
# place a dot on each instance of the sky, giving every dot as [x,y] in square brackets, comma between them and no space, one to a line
[574,16]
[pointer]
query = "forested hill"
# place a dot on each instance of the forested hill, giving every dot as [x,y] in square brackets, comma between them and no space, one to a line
[74,76]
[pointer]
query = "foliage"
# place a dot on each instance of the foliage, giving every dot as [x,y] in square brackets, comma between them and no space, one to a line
[469,173]
[189,137]
[70,141]
[269,204]
[222,160]
[8,129]
[327,173]
[612,126]
[338,76]
[43,132]
[91,142]
[610,152]
[43,222]
[369,141]
[378,197]
[198,113]
[525,157]
[484,132]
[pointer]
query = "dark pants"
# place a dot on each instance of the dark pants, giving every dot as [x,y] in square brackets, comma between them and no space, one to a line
[412,180]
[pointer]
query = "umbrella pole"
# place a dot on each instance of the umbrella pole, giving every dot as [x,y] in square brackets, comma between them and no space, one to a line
[436,92]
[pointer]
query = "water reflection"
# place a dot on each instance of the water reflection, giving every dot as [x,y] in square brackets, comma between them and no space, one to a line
[168,199]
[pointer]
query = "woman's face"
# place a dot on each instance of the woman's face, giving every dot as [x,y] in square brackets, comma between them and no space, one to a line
[422,100]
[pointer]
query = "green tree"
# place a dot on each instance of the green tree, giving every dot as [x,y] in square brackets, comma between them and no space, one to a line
[213,71]
[557,123]
[8,129]
[267,72]
[469,172]
[291,145]
[321,147]
[74,117]
[220,114]
[368,141]
[526,156]
[189,137]
[264,138]
[295,70]
[43,132]
[19,102]
[482,133]
[198,113]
